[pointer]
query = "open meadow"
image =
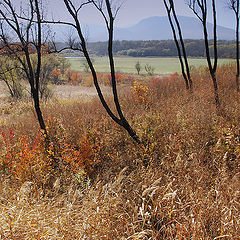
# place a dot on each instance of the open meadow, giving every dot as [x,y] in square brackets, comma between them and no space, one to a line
[119,148]
[89,180]
[127,64]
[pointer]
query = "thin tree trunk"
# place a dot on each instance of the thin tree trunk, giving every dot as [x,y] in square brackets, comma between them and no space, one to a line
[199,8]
[183,49]
[212,67]
[124,122]
[177,45]
[29,35]
[121,119]
[215,86]
[38,111]
[215,36]
[9,88]
[237,46]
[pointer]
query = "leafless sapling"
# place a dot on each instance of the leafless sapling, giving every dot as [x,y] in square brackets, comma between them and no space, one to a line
[108,12]
[170,8]
[234,5]
[200,9]
[21,36]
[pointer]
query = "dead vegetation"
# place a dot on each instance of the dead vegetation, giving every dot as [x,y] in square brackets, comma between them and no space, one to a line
[182,183]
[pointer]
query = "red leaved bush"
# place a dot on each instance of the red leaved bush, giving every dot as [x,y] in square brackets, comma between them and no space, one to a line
[28,159]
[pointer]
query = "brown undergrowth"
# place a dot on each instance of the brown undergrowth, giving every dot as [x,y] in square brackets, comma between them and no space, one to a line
[182,183]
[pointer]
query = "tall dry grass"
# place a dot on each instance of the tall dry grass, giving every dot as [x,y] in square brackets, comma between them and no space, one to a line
[182,183]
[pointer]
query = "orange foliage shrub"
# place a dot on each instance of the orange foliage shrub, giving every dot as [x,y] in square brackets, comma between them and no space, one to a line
[88,81]
[119,78]
[68,75]
[71,156]
[73,77]
[174,76]
[23,158]
[55,75]
[33,159]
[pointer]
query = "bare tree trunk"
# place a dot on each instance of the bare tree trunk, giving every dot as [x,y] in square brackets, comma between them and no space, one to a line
[177,45]
[202,6]
[237,45]
[121,120]
[183,49]
[212,67]
[234,5]
[124,122]
[215,85]
[9,88]
[38,111]
[186,76]
[213,71]
[29,36]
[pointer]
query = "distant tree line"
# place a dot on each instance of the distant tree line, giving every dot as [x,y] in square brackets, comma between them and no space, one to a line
[163,48]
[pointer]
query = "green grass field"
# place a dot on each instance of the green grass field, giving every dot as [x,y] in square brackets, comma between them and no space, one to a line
[127,64]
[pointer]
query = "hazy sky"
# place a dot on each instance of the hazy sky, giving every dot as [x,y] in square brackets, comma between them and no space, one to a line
[133,11]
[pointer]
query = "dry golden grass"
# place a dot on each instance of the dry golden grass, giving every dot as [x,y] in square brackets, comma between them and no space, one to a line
[182,183]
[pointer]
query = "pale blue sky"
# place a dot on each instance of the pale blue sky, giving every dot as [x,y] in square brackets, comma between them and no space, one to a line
[133,11]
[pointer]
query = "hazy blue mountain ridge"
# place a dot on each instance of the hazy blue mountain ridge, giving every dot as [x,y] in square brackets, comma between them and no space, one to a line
[152,28]
[158,28]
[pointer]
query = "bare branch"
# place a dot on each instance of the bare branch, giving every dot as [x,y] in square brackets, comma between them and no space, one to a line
[99,6]
[195,6]
[82,5]
[27,40]
[108,17]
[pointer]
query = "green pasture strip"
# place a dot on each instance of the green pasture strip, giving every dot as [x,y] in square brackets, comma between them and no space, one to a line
[127,64]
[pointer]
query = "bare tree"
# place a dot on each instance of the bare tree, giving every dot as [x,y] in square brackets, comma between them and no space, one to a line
[180,49]
[200,9]
[138,67]
[108,11]
[234,5]
[21,35]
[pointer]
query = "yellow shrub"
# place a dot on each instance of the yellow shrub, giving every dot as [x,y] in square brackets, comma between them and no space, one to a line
[141,92]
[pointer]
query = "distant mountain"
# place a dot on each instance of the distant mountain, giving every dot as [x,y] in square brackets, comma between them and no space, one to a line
[152,28]
[158,28]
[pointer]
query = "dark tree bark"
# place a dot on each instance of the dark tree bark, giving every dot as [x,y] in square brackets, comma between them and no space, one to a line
[237,45]
[200,9]
[109,20]
[180,49]
[234,5]
[123,120]
[26,28]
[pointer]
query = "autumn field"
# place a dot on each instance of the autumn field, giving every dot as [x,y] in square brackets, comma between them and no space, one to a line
[161,65]
[90,180]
